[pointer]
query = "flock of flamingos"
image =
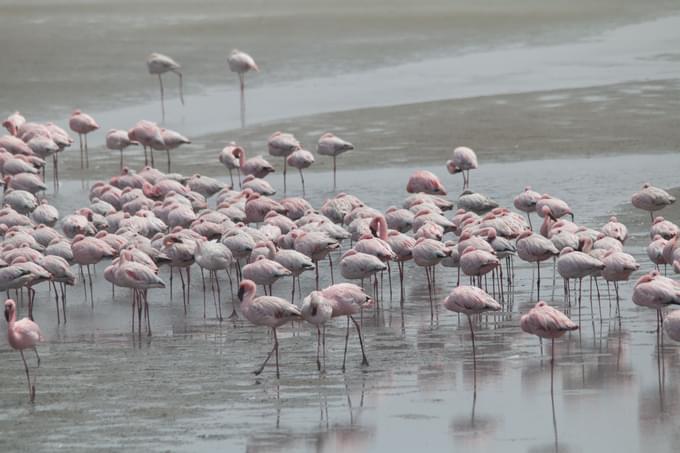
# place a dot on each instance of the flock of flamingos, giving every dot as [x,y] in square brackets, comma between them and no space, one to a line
[137,222]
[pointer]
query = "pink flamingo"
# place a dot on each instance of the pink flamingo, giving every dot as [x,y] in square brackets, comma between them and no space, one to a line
[256,166]
[671,324]
[300,159]
[171,140]
[15,145]
[618,267]
[13,122]
[82,124]
[269,311]
[61,273]
[296,263]
[651,199]
[464,160]
[355,265]
[317,246]
[557,208]
[470,300]
[265,272]
[347,300]
[281,144]
[331,145]
[664,228]
[615,229]
[475,263]
[318,310]
[655,291]
[534,248]
[655,251]
[23,334]
[229,157]
[118,140]
[402,246]
[89,251]
[426,182]
[428,253]
[25,181]
[241,63]
[215,256]
[545,321]
[574,264]
[149,135]
[526,202]
[159,64]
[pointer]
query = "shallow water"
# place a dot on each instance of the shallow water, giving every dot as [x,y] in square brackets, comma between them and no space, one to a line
[190,386]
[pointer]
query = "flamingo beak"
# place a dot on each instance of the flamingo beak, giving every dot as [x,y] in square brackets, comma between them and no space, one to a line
[7,314]
[240,294]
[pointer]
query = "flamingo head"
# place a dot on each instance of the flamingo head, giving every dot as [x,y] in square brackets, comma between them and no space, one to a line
[10,308]
[246,287]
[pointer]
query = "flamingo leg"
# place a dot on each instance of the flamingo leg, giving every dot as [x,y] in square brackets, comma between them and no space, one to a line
[87,155]
[276,344]
[160,82]
[334,158]
[285,169]
[181,87]
[82,151]
[302,178]
[31,388]
[56,301]
[167,150]
[344,357]
[318,347]
[474,352]
[89,277]
[242,86]
[364,361]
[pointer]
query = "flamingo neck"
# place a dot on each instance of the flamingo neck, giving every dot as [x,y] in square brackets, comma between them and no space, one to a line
[382,228]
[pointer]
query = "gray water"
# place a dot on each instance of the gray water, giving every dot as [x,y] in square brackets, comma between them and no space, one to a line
[190,386]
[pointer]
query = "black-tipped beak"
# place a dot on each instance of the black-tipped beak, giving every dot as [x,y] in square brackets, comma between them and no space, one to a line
[7,314]
[240,294]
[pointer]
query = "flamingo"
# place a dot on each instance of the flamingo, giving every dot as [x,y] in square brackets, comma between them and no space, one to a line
[13,122]
[118,140]
[347,300]
[470,300]
[618,267]
[301,159]
[526,202]
[265,272]
[426,182]
[269,311]
[671,324]
[215,256]
[464,160]
[159,64]
[651,199]
[428,253]
[281,144]
[89,251]
[61,273]
[574,264]
[475,263]
[656,291]
[664,228]
[241,63]
[296,263]
[615,229]
[317,246]
[25,181]
[82,124]
[149,135]
[230,159]
[545,321]
[256,166]
[331,145]
[23,334]
[171,140]
[355,265]
[318,310]
[535,248]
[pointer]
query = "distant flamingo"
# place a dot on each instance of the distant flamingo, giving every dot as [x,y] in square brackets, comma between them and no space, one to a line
[118,140]
[82,124]
[269,311]
[464,160]
[317,310]
[301,159]
[23,334]
[241,63]
[331,145]
[470,300]
[426,182]
[159,64]
[347,300]
[651,199]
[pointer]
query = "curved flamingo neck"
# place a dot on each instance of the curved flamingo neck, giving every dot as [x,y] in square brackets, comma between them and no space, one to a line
[382,228]
[241,154]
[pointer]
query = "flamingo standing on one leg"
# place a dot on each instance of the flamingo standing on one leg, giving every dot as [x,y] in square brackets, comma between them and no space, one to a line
[118,140]
[331,145]
[159,64]
[230,159]
[82,124]
[269,311]
[656,291]
[171,140]
[464,160]
[651,199]
[23,334]
[241,63]
[535,248]
[470,300]
[526,202]
[545,321]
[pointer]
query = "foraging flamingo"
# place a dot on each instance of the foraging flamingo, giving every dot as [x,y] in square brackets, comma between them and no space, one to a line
[347,300]
[82,124]
[331,145]
[241,63]
[269,311]
[159,64]
[317,310]
[23,334]
[464,160]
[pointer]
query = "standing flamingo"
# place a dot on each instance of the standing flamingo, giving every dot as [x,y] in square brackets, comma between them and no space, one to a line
[23,334]
[526,202]
[118,140]
[331,145]
[215,256]
[82,124]
[535,248]
[230,159]
[464,160]
[656,291]
[428,253]
[159,64]
[149,135]
[651,199]
[281,144]
[545,321]
[89,251]
[269,311]
[470,300]
[241,63]
[171,140]
[301,159]
[318,310]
